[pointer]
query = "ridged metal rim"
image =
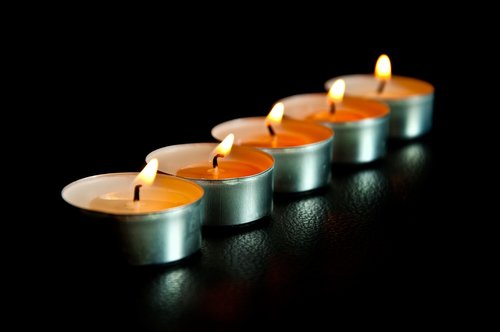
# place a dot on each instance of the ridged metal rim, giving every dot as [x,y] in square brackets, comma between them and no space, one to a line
[130,217]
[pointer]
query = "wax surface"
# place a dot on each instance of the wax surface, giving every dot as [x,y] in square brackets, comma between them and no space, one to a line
[340,115]
[191,161]
[122,202]
[398,87]
[226,170]
[280,140]
[315,107]
[252,132]
[113,193]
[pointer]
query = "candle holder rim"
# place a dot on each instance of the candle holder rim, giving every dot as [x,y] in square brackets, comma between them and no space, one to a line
[214,144]
[355,124]
[285,119]
[347,99]
[228,180]
[149,217]
[298,148]
[411,100]
[123,216]
[428,86]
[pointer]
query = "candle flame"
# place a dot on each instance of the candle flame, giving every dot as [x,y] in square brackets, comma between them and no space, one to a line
[383,68]
[224,148]
[336,93]
[276,114]
[148,174]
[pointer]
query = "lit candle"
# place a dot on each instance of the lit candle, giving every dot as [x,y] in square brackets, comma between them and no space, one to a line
[157,218]
[237,180]
[302,150]
[219,168]
[276,136]
[361,126]
[410,100]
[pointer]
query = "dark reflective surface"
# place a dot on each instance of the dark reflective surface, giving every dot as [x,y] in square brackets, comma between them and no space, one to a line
[350,244]
[372,247]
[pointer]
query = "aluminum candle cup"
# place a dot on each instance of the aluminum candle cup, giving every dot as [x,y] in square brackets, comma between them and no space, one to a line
[241,192]
[302,151]
[163,227]
[410,101]
[361,128]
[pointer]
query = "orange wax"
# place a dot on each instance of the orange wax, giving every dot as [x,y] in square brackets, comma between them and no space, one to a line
[281,140]
[340,115]
[316,107]
[290,133]
[226,170]
[114,194]
[153,199]
[126,205]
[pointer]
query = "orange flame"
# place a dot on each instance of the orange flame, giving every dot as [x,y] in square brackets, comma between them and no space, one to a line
[276,114]
[224,148]
[148,174]
[383,68]
[336,93]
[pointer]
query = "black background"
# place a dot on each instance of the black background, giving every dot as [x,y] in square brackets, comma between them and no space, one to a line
[122,100]
[379,245]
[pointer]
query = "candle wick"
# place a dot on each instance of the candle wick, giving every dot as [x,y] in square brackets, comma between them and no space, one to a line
[381,86]
[333,108]
[215,163]
[271,130]
[137,193]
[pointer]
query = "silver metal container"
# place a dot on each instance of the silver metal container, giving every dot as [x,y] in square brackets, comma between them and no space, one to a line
[227,202]
[410,100]
[358,141]
[142,238]
[411,117]
[297,168]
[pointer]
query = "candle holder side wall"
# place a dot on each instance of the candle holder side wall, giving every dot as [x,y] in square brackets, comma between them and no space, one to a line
[156,238]
[302,168]
[411,118]
[237,201]
[141,238]
[360,142]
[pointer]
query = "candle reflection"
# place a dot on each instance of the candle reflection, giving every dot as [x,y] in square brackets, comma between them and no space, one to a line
[298,224]
[362,192]
[243,255]
[358,196]
[406,167]
[171,290]
[164,296]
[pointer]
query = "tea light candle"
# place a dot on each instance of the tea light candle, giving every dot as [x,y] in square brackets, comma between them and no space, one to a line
[361,126]
[156,219]
[302,151]
[410,100]
[237,180]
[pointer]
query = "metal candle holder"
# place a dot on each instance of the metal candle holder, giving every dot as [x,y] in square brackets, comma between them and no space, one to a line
[357,141]
[297,168]
[227,202]
[410,100]
[142,238]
